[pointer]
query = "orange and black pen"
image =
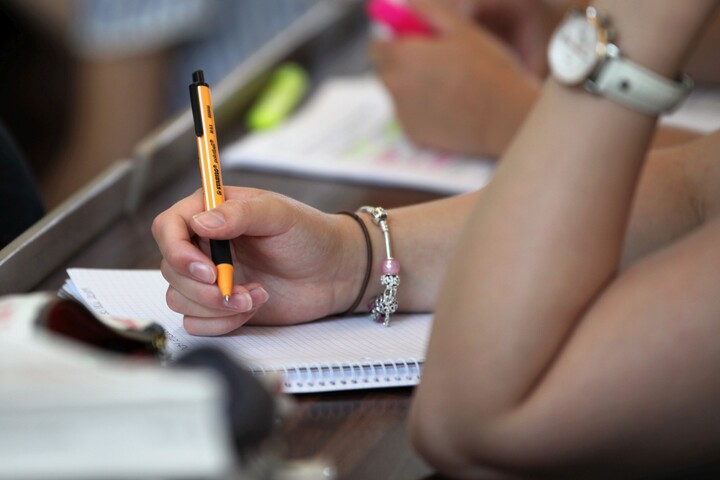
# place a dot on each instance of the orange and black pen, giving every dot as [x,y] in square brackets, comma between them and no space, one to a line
[210,174]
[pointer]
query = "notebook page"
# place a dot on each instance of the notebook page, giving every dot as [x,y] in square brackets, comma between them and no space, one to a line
[140,294]
[348,131]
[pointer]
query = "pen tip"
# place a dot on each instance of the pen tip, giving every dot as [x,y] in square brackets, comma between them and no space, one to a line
[227,299]
[198,76]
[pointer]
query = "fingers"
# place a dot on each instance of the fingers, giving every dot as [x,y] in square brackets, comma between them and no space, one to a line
[246,212]
[408,56]
[261,214]
[175,240]
[205,311]
[377,51]
[401,64]
[382,55]
[192,275]
[190,297]
[267,231]
[212,327]
[442,18]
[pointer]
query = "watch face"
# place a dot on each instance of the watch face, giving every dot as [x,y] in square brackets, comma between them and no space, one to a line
[572,54]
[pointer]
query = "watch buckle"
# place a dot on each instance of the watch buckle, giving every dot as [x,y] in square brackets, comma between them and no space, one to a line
[606,52]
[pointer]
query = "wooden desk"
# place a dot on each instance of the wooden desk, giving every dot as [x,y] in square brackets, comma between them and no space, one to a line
[362,433]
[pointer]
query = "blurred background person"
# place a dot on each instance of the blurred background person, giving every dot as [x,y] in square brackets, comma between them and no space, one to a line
[467,88]
[91,78]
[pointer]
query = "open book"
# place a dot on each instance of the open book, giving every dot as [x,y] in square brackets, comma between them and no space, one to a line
[345,353]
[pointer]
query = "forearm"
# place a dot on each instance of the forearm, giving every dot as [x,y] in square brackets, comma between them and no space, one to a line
[546,238]
[423,237]
[665,207]
[673,183]
[677,193]
[544,241]
[667,136]
[704,64]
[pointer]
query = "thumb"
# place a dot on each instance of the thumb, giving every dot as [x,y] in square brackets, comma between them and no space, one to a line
[438,15]
[259,214]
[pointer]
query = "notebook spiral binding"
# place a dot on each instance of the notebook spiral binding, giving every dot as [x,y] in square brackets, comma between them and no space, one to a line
[317,377]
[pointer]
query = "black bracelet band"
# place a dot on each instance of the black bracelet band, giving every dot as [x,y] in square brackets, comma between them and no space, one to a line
[368,267]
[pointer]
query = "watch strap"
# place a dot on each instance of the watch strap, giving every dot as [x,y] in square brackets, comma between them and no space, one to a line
[639,88]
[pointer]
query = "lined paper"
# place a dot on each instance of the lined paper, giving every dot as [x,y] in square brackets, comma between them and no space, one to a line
[334,343]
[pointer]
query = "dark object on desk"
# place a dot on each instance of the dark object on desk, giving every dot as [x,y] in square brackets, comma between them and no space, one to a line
[71,319]
[251,407]
[19,198]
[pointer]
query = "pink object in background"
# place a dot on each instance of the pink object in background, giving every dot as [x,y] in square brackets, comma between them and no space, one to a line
[398,18]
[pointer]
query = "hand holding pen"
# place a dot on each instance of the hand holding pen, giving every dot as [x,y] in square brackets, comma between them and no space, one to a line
[281,248]
[392,18]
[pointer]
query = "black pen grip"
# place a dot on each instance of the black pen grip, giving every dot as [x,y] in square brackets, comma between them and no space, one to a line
[220,252]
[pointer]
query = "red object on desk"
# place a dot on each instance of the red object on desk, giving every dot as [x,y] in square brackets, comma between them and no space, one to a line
[399,18]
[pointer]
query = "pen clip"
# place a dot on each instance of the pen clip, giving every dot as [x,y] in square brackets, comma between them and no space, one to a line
[198,77]
[195,106]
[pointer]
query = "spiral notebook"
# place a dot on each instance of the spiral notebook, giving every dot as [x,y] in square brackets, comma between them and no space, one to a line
[347,353]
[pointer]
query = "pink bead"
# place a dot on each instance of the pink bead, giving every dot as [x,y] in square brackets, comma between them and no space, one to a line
[390,266]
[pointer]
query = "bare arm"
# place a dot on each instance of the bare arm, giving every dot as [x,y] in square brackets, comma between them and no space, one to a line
[676,193]
[423,238]
[537,262]
[704,64]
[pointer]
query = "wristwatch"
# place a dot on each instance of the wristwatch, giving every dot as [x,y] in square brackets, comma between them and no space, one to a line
[581,52]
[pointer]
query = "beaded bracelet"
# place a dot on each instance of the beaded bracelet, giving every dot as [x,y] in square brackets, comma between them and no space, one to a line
[383,306]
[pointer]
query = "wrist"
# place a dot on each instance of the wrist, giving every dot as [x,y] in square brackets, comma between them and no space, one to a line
[642,27]
[357,261]
[373,288]
[588,49]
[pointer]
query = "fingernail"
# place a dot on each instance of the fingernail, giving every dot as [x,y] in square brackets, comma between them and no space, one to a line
[242,302]
[202,272]
[210,219]
[259,296]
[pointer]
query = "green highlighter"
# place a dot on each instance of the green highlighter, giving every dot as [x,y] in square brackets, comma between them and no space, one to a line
[286,89]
